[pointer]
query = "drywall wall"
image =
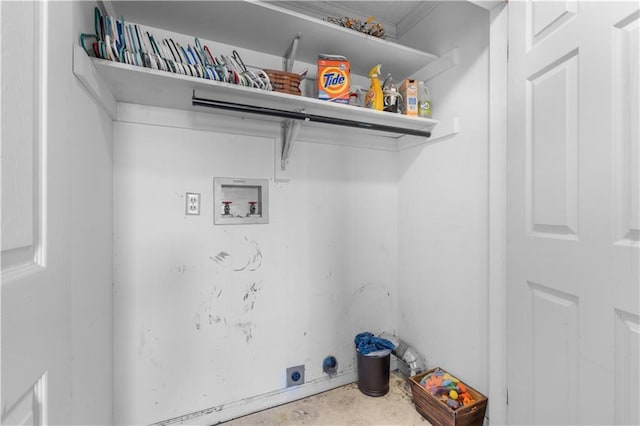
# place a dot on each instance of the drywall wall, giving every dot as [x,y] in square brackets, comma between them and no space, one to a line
[208,317]
[91,159]
[442,205]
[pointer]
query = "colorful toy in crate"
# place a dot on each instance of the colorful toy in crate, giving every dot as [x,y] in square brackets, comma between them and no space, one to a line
[447,388]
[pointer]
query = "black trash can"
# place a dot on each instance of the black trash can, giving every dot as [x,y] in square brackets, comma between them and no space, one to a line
[373,374]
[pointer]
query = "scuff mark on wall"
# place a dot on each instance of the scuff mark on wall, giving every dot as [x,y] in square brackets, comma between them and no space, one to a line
[250,297]
[182,269]
[252,290]
[209,308]
[214,320]
[248,308]
[197,321]
[255,261]
[371,287]
[248,257]
[366,295]
[156,363]
[221,257]
[186,417]
[247,329]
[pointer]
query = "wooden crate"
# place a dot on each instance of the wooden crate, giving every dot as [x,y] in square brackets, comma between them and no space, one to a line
[440,414]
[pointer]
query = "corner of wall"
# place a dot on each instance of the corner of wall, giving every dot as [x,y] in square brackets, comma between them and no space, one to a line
[90,149]
[443,199]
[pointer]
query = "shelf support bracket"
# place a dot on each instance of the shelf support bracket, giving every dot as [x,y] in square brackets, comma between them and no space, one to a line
[442,64]
[290,129]
[290,55]
[446,129]
[85,72]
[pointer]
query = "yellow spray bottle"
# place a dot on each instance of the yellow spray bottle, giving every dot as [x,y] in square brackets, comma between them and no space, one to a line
[375,99]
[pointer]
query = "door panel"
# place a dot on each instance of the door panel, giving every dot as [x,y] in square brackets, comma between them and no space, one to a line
[36,358]
[553,347]
[572,251]
[626,128]
[21,121]
[545,17]
[31,406]
[627,393]
[552,149]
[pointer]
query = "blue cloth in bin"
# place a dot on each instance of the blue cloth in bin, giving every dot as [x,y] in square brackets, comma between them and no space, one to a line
[367,343]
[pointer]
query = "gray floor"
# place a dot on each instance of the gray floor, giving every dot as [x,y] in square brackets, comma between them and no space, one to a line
[344,406]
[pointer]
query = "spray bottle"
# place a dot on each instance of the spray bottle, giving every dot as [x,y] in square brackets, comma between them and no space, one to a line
[375,98]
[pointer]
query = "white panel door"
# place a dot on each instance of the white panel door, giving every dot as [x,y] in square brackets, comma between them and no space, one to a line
[36,359]
[573,216]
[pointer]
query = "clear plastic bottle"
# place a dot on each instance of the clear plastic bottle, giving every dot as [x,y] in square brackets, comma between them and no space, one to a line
[424,100]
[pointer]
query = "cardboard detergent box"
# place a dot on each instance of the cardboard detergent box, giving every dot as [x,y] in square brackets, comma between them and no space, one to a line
[409,92]
[334,78]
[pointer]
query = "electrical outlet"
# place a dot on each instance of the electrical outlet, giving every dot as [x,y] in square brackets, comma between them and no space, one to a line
[295,375]
[192,203]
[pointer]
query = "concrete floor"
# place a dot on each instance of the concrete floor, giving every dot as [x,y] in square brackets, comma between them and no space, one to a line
[344,406]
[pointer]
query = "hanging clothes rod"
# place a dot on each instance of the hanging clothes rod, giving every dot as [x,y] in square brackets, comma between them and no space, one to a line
[303,116]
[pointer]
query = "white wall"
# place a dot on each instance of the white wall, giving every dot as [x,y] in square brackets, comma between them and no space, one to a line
[91,158]
[442,205]
[190,333]
[357,240]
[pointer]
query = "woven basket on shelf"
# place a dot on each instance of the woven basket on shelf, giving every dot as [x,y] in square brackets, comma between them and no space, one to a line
[284,82]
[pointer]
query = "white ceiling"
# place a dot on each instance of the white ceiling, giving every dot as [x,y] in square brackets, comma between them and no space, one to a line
[397,17]
[389,11]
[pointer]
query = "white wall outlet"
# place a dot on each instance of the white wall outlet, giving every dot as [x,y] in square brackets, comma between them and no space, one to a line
[192,203]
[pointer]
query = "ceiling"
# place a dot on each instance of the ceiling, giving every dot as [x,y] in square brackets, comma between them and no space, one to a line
[397,17]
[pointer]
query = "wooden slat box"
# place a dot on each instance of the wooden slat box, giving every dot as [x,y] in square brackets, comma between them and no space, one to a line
[439,413]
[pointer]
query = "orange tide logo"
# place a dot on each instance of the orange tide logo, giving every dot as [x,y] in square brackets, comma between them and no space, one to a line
[334,80]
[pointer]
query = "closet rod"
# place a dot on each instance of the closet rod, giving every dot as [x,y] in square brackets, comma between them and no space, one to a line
[295,115]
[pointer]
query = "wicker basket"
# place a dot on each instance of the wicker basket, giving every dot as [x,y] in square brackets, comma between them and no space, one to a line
[284,82]
[440,414]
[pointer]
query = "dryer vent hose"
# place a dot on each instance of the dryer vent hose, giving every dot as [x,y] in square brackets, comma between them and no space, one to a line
[407,354]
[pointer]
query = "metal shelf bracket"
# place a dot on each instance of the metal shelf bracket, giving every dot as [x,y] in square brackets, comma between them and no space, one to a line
[290,129]
[290,56]
[443,63]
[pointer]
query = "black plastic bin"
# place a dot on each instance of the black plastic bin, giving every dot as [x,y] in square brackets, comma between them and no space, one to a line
[373,374]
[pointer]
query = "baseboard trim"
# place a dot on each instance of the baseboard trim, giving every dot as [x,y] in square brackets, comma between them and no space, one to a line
[232,410]
[225,412]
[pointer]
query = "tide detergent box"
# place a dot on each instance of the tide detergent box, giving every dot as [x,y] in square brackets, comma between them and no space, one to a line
[334,76]
[409,92]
